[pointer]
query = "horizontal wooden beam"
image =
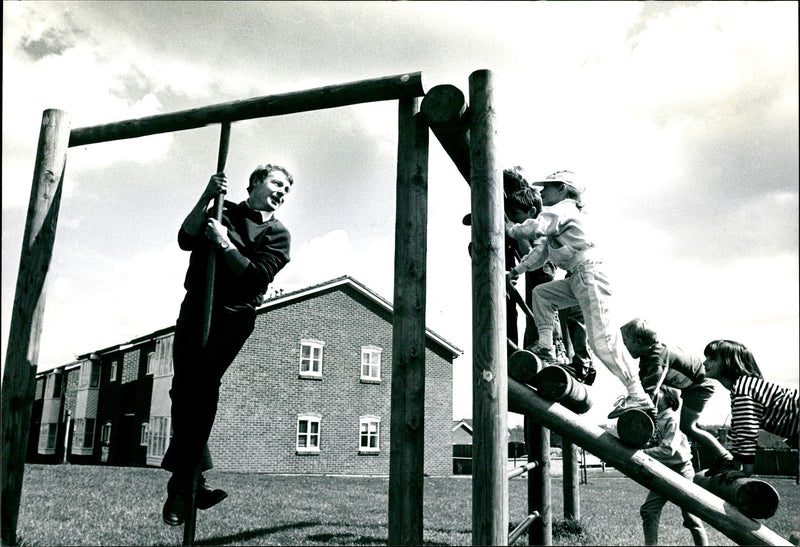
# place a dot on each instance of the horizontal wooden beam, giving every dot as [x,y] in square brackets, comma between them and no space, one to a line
[642,468]
[363,91]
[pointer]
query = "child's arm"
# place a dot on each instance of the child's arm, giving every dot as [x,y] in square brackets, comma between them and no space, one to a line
[545,224]
[652,366]
[535,258]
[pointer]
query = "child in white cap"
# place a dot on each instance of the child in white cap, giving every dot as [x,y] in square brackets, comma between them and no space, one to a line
[570,248]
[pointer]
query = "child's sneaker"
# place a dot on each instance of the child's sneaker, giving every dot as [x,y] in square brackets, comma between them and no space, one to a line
[634,403]
[546,355]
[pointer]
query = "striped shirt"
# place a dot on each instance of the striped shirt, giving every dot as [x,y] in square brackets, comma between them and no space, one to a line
[756,403]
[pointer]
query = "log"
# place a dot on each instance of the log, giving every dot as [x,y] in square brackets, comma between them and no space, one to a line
[444,109]
[363,91]
[22,356]
[556,384]
[407,446]
[642,468]
[635,428]
[753,497]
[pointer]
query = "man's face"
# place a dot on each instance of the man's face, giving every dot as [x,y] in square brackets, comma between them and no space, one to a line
[269,194]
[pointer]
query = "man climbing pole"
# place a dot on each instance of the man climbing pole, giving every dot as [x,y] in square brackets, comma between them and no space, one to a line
[251,247]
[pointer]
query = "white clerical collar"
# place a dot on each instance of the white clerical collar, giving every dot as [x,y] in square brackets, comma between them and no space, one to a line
[265,215]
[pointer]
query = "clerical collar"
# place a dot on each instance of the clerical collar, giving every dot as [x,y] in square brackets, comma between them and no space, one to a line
[265,215]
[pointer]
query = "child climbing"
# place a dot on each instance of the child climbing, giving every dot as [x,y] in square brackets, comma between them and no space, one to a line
[569,247]
[755,403]
[674,452]
[679,370]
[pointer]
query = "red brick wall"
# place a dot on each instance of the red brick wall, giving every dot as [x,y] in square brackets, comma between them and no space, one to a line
[262,393]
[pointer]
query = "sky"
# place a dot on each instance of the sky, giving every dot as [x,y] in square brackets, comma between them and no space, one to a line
[681,119]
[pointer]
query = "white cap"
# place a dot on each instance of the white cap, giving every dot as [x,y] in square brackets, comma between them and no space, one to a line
[566,177]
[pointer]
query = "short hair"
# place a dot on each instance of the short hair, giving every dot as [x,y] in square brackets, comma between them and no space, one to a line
[735,359]
[524,199]
[262,172]
[513,181]
[639,329]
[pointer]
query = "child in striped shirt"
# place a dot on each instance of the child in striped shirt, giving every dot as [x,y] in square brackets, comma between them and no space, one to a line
[755,403]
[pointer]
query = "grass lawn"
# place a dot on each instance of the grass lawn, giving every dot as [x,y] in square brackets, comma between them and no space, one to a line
[88,505]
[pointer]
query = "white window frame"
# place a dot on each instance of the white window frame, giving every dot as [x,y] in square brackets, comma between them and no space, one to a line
[105,433]
[365,432]
[308,435]
[143,433]
[373,368]
[312,359]
[112,375]
[90,374]
[151,362]
[159,433]
[48,434]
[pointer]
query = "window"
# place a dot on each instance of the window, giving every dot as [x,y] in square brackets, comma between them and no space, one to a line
[159,434]
[371,363]
[57,383]
[163,363]
[311,358]
[151,362]
[308,434]
[112,376]
[90,374]
[105,433]
[370,434]
[143,434]
[47,438]
[88,435]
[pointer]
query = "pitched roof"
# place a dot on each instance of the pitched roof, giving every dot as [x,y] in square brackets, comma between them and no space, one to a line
[346,280]
[288,298]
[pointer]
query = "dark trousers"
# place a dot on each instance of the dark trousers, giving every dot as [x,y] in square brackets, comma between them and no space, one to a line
[573,317]
[196,381]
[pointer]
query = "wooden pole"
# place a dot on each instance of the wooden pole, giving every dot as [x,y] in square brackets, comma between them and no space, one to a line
[222,158]
[407,451]
[572,493]
[569,452]
[753,497]
[19,376]
[364,91]
[489,384]
[642,468]
[445,110]
[190,525]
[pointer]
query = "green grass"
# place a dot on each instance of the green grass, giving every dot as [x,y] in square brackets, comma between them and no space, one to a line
[88,505]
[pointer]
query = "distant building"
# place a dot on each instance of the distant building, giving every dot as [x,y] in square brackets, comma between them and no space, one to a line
[310,392]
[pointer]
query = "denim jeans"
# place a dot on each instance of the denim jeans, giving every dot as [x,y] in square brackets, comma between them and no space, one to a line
[587,287]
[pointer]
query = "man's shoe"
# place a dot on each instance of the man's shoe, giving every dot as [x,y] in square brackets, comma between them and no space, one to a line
[206,497]
[631,403]
[723,464]
[175,509]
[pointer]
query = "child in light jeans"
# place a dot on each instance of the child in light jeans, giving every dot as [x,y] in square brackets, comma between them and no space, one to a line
[560,236]
[675,453]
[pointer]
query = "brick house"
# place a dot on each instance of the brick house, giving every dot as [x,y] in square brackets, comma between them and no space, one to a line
[310,392]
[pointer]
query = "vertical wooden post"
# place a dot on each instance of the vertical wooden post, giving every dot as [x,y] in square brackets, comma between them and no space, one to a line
[407,451]
[539,484]
[572,493]
[569,452]
[19,376]
[489,375]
